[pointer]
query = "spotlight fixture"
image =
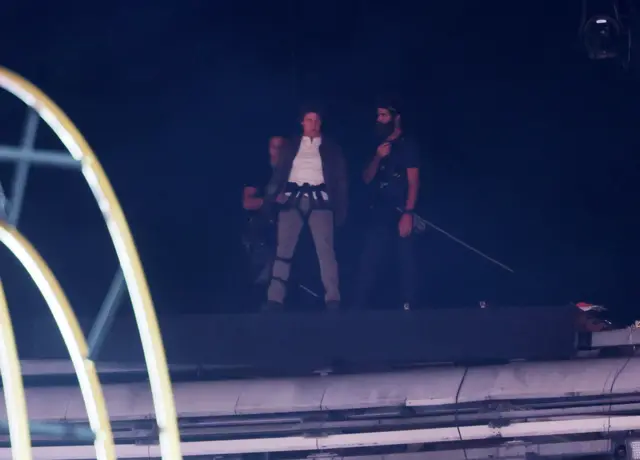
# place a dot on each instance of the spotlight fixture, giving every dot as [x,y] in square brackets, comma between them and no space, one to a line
[603,37]
[605,29]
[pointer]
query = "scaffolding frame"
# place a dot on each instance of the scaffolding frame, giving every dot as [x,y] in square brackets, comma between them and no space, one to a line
[130,274]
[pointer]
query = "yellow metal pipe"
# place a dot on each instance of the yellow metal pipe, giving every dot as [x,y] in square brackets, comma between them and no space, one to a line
[71,334]
[125,248]
[12,385]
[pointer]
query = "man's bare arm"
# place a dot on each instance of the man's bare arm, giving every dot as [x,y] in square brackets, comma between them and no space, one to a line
[413,176]
[371,170]
[250,201]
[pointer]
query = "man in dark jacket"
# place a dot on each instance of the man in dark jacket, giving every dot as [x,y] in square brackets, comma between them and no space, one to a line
[310,181]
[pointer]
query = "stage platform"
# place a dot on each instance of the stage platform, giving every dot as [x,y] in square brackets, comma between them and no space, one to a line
[299,343]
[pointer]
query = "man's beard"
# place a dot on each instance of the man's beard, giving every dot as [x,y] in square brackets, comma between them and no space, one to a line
[383,130]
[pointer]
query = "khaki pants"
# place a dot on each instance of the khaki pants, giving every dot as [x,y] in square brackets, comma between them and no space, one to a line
[290,224]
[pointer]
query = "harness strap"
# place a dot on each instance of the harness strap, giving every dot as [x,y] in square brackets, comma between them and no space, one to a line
[284,260]
[276,278]
[314,193]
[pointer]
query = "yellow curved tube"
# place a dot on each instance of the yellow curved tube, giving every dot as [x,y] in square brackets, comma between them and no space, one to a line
[125,248]
[71,334]
[13,387]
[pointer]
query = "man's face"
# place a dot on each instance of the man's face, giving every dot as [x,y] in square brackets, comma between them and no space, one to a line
[311,124]
[384,123]
[384,116]
[275,147]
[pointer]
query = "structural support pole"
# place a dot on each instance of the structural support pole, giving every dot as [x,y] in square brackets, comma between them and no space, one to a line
[51,158]
[59,430]
[106,315]
[22,169]
[169,434]
[13,387]
[3,203]
[72,335]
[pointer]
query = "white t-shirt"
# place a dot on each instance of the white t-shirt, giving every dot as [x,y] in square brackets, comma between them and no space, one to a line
[307,164]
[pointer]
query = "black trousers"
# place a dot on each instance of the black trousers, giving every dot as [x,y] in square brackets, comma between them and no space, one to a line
[380,239]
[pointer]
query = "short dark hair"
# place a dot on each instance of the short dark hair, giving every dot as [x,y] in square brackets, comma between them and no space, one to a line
[311,109]
[392,110]
[389,103]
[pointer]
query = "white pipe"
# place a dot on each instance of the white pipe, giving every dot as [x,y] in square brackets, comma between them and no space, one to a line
[601,425]
[46,367]
[430,387]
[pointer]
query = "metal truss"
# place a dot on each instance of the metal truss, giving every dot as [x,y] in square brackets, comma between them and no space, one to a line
[130,275]
[73,338]
[12,385]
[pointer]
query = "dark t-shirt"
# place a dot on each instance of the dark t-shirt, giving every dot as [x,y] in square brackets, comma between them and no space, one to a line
[259,222]
[259,177]
[390,186]
[259,231]
[404,155]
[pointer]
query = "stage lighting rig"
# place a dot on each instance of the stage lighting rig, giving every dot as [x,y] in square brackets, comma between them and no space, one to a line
[602,37]
[605,29]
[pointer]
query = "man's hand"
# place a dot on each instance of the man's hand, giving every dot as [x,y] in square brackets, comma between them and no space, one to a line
[383,150]
[250,199]
[282,198]
[405,226]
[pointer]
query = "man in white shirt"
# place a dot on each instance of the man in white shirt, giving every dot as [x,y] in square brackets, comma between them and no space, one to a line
[310,181]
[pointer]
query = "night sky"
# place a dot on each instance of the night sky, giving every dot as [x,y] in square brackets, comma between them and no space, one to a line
[530,149]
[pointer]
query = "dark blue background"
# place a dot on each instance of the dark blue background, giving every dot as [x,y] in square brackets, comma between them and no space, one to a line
[530,149]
